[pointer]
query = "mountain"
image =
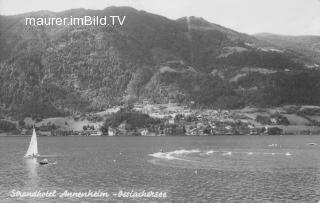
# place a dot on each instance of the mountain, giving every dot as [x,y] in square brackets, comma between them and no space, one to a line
[61,70]
[306,45]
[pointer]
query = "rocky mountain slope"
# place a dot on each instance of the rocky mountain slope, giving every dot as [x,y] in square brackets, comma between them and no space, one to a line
[56,70]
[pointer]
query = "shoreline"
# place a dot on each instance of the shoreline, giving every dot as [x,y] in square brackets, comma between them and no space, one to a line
[125,136]
[178,120]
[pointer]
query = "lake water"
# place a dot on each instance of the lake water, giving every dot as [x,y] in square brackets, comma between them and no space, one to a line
[189,169]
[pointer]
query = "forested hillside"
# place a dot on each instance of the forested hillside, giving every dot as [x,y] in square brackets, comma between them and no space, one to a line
[49,71]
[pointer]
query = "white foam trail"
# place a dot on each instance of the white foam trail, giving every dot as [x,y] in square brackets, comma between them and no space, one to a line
[162,155]
[170,155]
[210,152]
[183,151]
[177,154]
[227,153]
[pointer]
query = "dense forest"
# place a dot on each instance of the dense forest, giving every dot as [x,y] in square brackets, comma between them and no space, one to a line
[58,71]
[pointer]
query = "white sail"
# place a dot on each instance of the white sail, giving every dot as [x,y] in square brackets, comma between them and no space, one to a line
[33,147]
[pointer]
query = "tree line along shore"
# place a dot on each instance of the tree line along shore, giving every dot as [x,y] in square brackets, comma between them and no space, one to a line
[146,119]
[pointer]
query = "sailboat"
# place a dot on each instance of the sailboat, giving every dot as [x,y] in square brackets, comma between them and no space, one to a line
[33,146]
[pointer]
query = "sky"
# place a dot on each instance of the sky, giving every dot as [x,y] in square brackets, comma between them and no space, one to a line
[288,17]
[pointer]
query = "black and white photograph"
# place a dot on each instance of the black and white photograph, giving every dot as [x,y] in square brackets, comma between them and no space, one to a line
[160,101]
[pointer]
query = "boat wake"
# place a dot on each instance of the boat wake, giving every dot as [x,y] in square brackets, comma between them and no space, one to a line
[174,155]
[223,159]
[53,163]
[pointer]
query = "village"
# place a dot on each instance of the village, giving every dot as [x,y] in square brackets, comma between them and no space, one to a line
[172,119]
[180,120]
